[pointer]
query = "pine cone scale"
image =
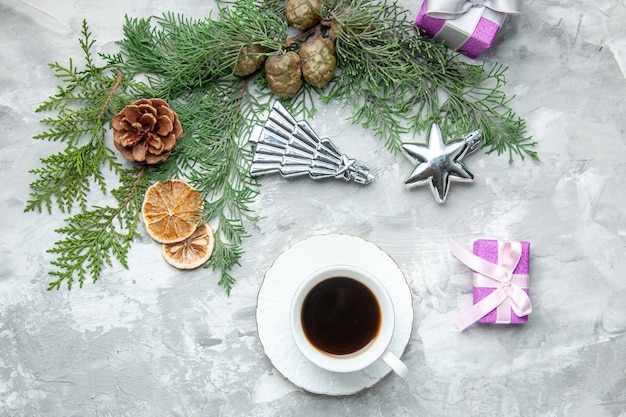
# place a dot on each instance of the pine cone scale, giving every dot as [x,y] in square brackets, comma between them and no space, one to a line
[139,151]
[129,139]
[163,126]
[146,108]
[148,121]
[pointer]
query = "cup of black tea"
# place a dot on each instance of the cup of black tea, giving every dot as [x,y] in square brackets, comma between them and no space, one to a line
[342,320]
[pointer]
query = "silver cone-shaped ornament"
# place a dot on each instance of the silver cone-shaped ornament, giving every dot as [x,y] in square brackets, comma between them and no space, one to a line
[291,148]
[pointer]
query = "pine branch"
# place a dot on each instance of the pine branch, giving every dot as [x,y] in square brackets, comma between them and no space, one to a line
[66,177]
[182,54]
[93,238]
[486,107]
[216,162]
[395,79]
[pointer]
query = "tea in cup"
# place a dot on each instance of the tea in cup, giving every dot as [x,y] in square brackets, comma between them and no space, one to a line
[342,319]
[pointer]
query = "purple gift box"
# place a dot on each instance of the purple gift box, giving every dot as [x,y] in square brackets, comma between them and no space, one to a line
[489,251]
[470,33]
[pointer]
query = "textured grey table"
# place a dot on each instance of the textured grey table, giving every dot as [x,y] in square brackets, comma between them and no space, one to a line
[153,341]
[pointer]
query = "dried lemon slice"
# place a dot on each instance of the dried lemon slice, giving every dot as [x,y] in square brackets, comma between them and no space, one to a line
[193,251]
[171,210]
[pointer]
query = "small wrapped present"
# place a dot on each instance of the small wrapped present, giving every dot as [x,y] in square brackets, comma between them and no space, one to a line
[466,26]
[500,280]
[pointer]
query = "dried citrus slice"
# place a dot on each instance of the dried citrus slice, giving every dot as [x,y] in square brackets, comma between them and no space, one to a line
[171,210]
[193,251]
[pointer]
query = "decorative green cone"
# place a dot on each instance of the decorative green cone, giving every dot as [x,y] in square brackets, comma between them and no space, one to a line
[284,75]
[318,61]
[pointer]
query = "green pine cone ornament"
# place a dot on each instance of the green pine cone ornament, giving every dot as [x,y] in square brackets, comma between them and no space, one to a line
[284,75]
[303,14]
[318,61]
[250,59]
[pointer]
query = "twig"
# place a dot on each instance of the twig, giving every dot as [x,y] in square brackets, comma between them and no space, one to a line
[244,87]
[302,35]
[118,81]
[131,193]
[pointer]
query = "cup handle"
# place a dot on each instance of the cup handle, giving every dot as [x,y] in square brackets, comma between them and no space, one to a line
[394,363]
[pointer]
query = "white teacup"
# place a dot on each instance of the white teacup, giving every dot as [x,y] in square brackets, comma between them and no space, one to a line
[342,320]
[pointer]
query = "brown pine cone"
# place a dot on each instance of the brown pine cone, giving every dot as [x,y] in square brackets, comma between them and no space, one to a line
[250,59]
[303,14]
[284,76]
[318,61]
[146,131]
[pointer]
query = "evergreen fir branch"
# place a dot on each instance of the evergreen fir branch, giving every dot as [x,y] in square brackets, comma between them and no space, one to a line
[91,241]
[394,79]
[183,54]
[68,175]
[222,175]
[302,105]
[223,259]
[93,238]
[130,194]
[70,128]
[214,160]
[489,105]
[77,82]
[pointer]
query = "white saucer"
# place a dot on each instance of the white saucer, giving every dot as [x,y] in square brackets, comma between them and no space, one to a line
[279,286]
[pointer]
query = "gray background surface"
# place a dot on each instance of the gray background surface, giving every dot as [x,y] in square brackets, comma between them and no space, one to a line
[153,341]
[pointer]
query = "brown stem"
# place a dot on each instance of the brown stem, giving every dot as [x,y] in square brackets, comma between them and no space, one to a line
[244,87]
[118,81]
[303,35]
[131,193]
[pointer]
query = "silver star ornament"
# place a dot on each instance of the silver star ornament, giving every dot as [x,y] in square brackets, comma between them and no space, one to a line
[439,163]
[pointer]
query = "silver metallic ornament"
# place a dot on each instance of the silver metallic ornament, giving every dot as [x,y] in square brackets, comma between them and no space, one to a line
[439,163]
[291,148]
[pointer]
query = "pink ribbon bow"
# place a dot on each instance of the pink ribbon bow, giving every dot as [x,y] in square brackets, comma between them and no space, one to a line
[451,9]
[508,286]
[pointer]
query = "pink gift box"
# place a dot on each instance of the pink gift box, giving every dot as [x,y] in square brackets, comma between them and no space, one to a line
[488,250]
[470,33]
